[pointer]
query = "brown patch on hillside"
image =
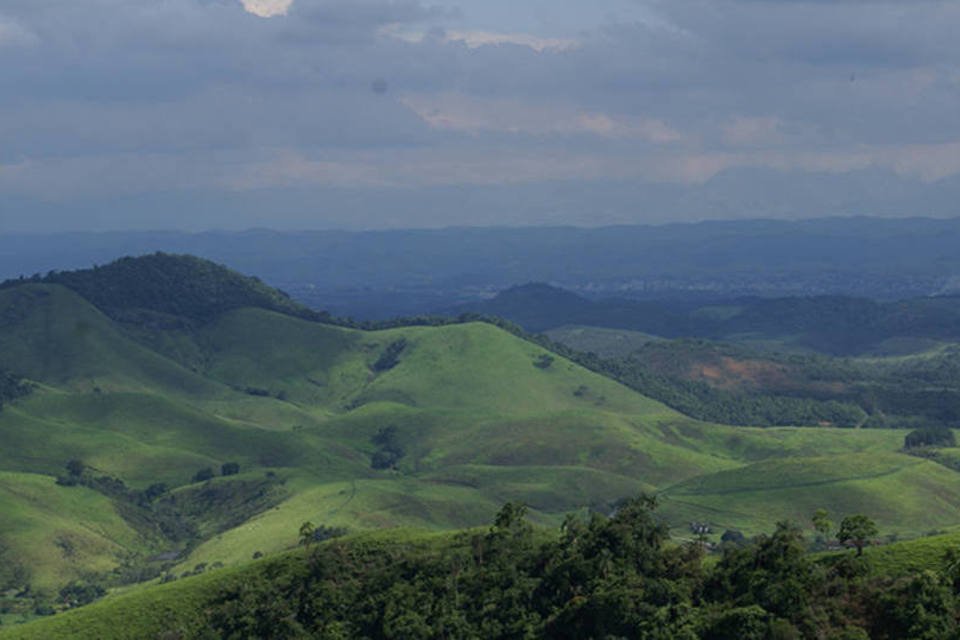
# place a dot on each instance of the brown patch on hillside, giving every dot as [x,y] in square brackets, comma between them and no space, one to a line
[731,374]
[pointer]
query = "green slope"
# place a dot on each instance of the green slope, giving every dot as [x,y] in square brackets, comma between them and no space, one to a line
[59,534]
[902,493]
[50,334]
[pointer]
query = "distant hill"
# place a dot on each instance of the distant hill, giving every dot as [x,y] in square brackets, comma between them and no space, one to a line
[837,325]
[380,274]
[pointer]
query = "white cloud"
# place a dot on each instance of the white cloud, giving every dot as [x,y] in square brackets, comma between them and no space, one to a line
[267,8]
[13,34]
[475,39]
[752,131]
[472,114]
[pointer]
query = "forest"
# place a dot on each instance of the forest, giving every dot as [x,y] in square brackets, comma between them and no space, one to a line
[616,576]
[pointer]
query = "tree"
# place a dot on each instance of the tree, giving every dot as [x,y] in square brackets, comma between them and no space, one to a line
[306,533]
[822,525]
[75,467]
[203,475]
[389,451]
[857,529]
[229,468]
[155,490]
[821,522]
[733,536]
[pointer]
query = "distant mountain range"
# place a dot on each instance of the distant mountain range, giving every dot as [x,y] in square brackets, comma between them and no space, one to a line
[380,274]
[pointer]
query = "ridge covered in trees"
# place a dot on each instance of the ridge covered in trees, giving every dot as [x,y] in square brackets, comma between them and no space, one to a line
[601,577]
[162,284]
[616,576]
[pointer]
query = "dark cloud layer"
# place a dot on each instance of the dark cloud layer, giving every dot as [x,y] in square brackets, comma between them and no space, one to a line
[113,106]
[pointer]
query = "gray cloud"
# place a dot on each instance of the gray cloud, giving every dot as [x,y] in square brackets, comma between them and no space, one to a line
[109,99]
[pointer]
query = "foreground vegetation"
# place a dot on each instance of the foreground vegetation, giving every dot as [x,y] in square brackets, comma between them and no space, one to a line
[599,577]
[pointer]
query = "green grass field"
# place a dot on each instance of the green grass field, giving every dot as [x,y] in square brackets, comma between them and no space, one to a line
[905,495]
[57,533]
[606,343]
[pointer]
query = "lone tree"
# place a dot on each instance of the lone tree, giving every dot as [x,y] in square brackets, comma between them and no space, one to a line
[203,475]
[821,523]
[857,529]
[75,467]
[306,533]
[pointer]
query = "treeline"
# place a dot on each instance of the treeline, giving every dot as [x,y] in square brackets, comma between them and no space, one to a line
[700,400]
[601,577]
[816,389]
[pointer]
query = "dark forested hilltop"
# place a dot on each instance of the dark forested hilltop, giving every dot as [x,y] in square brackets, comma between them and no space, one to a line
[175,285]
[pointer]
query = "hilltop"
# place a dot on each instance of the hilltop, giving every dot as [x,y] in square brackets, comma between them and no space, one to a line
[168,286]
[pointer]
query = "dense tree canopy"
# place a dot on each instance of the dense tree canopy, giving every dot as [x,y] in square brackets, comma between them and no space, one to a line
[614,576]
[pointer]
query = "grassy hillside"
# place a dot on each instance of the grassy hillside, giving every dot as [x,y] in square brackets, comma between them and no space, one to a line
[432,427]
[830,324]
[58,534]
[902,493]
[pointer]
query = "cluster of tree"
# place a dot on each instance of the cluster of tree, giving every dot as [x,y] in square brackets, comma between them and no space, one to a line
[79,593]
[12,387]
[182,517]
[389,448]
[311,534]
[543,361]
[601,577]
[702,401]
[207,473]
[390,356]
[923,392]
[930,437]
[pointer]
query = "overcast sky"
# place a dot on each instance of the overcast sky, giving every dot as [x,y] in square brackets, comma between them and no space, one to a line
[203,114]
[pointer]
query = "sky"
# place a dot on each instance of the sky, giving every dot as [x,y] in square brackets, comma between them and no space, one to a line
[203,114]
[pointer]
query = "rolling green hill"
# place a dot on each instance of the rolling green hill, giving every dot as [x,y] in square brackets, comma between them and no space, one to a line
[835,325]
[430,427]
[907,494]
